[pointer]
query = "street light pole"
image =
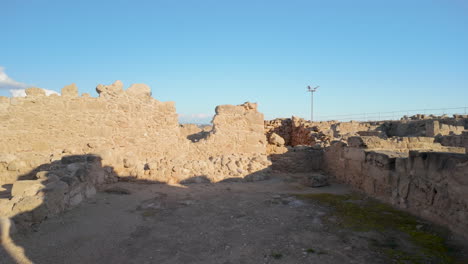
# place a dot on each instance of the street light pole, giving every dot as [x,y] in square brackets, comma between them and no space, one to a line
[312,91]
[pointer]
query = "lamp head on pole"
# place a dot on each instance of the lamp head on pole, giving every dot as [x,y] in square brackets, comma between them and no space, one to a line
[310,89]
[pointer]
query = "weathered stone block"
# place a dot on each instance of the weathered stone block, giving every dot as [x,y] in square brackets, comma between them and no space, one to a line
[26,188]
[432,128]
[229,109]
[356,142]
[16,165]
[109,91]
[354,154]
[70,91]
[277,140]
[381,160]
[34,91]
[139,90]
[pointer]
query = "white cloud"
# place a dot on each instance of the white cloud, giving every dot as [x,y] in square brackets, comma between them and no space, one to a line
[18,92]
[8,83]
[16,89]
[22,92]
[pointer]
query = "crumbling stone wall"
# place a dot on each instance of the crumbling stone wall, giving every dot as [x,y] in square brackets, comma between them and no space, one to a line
[236,129]
[194,132]
[280,126]
[454,140]
[137,135]
[435,128]
[234,148]
[134,137]
[430,184]
[38,129]
[418,164]
[401,144]
[426,127]
[55,187]
[298,131]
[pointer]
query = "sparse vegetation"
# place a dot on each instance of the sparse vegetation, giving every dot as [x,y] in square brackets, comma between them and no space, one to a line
[276,255]
[362,214]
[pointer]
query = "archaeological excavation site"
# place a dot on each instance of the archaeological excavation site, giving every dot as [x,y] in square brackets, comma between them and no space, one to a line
[117,179]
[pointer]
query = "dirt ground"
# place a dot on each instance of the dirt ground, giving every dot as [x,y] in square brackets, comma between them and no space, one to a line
[256,222]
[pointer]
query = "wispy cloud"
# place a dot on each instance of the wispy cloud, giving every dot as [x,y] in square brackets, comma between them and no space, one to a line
[16,89]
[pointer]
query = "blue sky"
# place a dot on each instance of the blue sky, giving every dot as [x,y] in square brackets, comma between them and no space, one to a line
[367,56]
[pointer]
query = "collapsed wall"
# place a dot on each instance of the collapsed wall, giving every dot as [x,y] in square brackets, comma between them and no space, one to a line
[131,136]
[298,131]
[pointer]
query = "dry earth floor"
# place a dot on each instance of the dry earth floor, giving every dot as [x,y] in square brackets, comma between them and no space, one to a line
[257,222]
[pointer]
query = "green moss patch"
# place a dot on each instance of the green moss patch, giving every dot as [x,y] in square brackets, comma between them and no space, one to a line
[277,255]
[361,214]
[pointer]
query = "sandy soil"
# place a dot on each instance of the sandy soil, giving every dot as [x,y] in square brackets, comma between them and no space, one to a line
[258,222]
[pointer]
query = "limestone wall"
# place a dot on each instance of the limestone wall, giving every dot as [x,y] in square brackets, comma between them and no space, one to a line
[428,128]
[454,140]
[39,129]
[56,151]
[281,127]
[432,184]
[58,186]
[297,131]
[435,128]
[402,144]
[135,134]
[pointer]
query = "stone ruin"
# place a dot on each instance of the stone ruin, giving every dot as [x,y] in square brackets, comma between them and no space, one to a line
[67,146]
[56,151]
[417,164]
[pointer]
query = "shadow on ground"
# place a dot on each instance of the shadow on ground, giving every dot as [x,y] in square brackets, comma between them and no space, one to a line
[234,221]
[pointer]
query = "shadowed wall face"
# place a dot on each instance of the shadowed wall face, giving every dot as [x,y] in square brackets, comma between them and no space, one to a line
[407,173]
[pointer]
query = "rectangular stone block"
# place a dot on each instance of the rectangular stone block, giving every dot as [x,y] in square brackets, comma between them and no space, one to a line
[432,128]
[355,154]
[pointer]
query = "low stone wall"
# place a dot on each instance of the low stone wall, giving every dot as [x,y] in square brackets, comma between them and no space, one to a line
[54,188]
[435,128]
[454,140]
[433,185]
[426,127]
[402,144]
[419,165]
